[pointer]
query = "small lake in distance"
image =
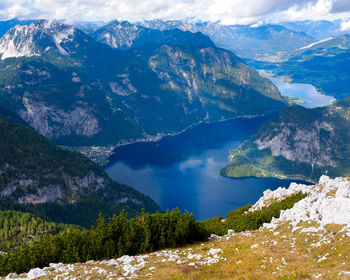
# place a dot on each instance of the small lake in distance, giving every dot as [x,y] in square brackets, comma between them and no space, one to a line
[183,170]
[306,92]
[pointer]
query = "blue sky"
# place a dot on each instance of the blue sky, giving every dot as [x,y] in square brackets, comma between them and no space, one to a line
[226,11]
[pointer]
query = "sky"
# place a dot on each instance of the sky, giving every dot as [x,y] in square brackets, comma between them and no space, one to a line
[225,11]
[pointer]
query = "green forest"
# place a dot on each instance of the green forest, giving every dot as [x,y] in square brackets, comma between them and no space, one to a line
[19,228]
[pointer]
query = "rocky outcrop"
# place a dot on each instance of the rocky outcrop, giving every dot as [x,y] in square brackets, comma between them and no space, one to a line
[327,202]
[22,40]
[54,123]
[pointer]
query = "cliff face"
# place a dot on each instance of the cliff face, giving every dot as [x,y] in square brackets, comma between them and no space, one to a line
[299,143]
[296,139]
[78,91]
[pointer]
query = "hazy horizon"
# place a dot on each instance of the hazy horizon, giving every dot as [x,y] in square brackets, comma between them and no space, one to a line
[226,12]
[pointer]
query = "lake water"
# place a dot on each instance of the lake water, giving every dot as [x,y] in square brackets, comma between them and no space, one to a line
[183,171]
[306,92]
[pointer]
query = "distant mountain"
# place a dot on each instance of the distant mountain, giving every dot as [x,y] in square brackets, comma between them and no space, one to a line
[37,176]
[259,41]
[124,35]
[324,64]
[88,26]
[327,46]
[77,91]
[298,143]
[318,29]
[162,25]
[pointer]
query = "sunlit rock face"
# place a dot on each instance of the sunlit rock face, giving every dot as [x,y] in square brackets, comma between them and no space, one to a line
[327,202]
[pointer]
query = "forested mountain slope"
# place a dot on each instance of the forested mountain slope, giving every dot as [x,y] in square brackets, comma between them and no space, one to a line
[39,177]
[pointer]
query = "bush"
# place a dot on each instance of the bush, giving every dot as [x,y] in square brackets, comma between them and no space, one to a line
[241,220]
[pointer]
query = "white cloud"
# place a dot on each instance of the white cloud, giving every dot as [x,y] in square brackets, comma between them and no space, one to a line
[228,11]
[345,25]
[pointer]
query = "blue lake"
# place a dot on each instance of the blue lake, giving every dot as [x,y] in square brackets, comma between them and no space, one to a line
[183,170]
[307,92]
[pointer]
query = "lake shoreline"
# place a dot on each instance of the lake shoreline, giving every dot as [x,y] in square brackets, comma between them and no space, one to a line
[102,154]
[183,170]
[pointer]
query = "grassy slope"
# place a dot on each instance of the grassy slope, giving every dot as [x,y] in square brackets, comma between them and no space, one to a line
[145,233]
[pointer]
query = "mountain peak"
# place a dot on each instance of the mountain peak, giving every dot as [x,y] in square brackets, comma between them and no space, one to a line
[125,35]
[18,41]
[35,39]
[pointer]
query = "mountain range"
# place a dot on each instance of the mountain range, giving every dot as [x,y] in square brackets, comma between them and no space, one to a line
[257,41]
[78,91]
[318,29]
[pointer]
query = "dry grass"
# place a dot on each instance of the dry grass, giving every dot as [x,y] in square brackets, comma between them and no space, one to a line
[279,254]
[285,255]
[331,193]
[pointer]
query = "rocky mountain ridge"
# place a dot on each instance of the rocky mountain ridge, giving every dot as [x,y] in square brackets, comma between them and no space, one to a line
[36,39]
[124,35]
[80,92]
[5,25]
